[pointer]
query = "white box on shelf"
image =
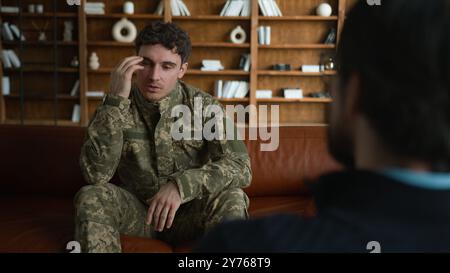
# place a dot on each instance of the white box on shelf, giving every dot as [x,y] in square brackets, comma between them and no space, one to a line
[293,93]
[8,9]
[264,94]
[311,68]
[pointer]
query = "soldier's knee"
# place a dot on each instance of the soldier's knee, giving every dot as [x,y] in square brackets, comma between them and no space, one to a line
[233,198]
[92,196]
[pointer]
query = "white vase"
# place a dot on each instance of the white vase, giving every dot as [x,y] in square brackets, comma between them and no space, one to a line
[324,9]
[128,7]
[94,64]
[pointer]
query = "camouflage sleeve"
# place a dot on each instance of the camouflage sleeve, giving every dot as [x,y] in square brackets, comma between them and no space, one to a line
[229,167]
[101,151]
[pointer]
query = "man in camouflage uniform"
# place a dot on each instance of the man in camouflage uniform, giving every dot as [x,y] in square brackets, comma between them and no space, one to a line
[174,190]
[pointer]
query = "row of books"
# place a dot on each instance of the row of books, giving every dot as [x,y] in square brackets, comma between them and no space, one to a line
[231,89]
[236,8]
[10,59]
[178,7]
[269,8]
[11,32]
[264,33]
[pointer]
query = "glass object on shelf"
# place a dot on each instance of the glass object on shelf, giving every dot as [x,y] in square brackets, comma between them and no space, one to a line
[74,62]
[329,64]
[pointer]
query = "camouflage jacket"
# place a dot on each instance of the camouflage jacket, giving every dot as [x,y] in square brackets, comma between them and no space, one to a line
[133,137]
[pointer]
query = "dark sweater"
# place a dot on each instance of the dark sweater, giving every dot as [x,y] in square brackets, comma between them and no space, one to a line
[354,208]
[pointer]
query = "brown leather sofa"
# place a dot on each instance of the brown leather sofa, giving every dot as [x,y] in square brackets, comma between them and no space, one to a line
[40,174]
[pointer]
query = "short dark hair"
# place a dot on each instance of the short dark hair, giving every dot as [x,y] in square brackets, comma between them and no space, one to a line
[169,35]
[401,52]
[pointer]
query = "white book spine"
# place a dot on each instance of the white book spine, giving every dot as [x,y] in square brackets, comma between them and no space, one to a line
[160,8]
[76,113]
[262,8]
[175,8]
[277,8]
[267,34]
[225,7]
[183,8]
[218,88]
[247,63]
[261,38]
[233,89]
[6,86]
[15,30]
[7,33]
[268,7]
[13,58]
[226,89]
[5,59]
[75,88]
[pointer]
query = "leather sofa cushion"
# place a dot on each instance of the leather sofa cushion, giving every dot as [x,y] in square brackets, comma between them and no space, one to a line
[45,224]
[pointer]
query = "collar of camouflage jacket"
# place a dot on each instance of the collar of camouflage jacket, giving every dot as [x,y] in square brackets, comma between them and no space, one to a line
[165,105]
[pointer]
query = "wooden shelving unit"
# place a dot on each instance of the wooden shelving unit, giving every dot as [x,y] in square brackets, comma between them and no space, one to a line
[42,97]
[40,88]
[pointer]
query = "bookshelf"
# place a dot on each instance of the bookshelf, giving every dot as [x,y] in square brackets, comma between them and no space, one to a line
[40,87]
[297,39]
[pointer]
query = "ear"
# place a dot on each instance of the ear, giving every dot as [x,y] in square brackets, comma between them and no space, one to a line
[183,70]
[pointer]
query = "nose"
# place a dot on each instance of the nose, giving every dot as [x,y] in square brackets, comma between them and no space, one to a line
[155,73]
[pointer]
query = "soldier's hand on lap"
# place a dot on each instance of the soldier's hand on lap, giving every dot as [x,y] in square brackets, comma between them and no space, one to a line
[122,74]
[163,206]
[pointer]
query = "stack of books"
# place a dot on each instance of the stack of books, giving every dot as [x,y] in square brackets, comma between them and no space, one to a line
[11,32]
[269,8]
[211,65]
[264,33]
[236,8]
[231,89]
[178,7]
[8,9]
[94,8]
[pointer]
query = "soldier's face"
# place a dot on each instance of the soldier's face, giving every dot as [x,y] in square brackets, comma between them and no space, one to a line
[162,69]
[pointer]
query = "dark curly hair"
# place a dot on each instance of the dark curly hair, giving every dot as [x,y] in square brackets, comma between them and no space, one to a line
[169,35]
[401,52]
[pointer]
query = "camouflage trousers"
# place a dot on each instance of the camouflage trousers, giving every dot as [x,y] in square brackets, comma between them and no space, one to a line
[103,212]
